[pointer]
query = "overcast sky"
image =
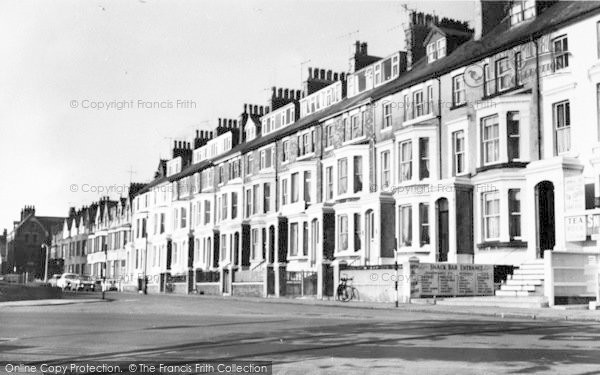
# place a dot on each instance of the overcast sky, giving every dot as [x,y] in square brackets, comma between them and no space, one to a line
[60,56]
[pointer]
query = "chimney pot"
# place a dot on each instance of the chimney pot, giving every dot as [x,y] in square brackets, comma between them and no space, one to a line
[357,47]
[310,73]
[197,133]
[280,92]
[273,91]
[174,144]
[363,48]
[267,109]
[286,94]
[315,73]
[255,109]
[329,74]
[230,124]
[322,73]
[335,76]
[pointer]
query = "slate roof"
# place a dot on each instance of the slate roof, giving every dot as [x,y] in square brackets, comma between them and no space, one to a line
[497,40]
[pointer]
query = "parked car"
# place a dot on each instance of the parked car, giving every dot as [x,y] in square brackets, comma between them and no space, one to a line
[68,281]
[53,281]
[86,283]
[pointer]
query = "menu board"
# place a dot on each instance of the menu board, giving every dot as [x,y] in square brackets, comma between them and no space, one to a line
[443,279]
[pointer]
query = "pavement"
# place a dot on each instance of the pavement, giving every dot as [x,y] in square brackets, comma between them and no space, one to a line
[298,336]
[50,302]
[559,313]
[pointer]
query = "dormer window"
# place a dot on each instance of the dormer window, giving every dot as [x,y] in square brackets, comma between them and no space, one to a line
[521,11]
[436,50]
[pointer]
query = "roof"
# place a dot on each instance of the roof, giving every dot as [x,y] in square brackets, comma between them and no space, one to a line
[447,31]
[498,39]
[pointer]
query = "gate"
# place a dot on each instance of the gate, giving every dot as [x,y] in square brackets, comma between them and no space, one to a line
[328,280]
[270,280]
[301,283]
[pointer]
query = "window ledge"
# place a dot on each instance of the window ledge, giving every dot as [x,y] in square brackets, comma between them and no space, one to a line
[305,156]
[387,129]
[457,106]
[516,244]
[416,120]
[512,164]
[498,93]
[355,140]
[298,257]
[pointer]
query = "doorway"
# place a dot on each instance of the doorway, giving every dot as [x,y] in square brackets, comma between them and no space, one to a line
[544,198]
[442,230]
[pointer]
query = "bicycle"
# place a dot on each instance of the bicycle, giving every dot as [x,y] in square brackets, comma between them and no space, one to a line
[345,291]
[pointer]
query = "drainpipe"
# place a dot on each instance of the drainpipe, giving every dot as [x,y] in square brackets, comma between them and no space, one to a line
[439,127]
[538,96]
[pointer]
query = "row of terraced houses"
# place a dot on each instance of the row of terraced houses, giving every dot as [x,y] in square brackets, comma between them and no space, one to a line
[474,145]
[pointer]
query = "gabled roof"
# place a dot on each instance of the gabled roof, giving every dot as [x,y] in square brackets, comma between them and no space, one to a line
[448,32]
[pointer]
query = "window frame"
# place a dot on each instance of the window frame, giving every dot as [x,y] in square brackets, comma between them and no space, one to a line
[487,217]
[565,128]
[458,88]
[405,165]
[493,141]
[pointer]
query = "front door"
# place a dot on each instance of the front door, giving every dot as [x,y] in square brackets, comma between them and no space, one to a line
[226,282]
[370,233]
[546,240]
[443,240]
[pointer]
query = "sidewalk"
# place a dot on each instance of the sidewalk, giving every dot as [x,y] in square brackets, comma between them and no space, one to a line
[48,302]
[553,314]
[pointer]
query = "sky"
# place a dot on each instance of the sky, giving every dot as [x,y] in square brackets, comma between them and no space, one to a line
[93,93]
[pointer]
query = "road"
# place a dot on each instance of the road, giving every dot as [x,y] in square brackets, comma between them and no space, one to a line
[299,339]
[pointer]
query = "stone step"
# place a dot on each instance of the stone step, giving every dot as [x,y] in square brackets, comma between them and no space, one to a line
[517,293]
[530,288]
[528,272]
[531,266]
[525,282]
[496,301]
[525,277]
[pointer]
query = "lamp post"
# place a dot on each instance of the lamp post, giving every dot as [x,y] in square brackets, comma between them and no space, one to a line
[145,230]
[105,268]
[45,246]
[396,270]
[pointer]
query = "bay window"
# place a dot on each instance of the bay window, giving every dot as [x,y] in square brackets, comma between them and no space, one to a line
[405,161]
[423,158]
[424,223]
[343,233]
[405,218]
[358,175]
[342,176]
[514,213]
[490,139]
[491,216]
[329,182]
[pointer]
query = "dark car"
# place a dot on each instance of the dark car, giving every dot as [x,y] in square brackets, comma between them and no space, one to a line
[86,283]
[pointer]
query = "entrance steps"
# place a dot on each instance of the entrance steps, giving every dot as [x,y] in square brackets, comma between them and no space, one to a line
[526,281]
[496,301]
